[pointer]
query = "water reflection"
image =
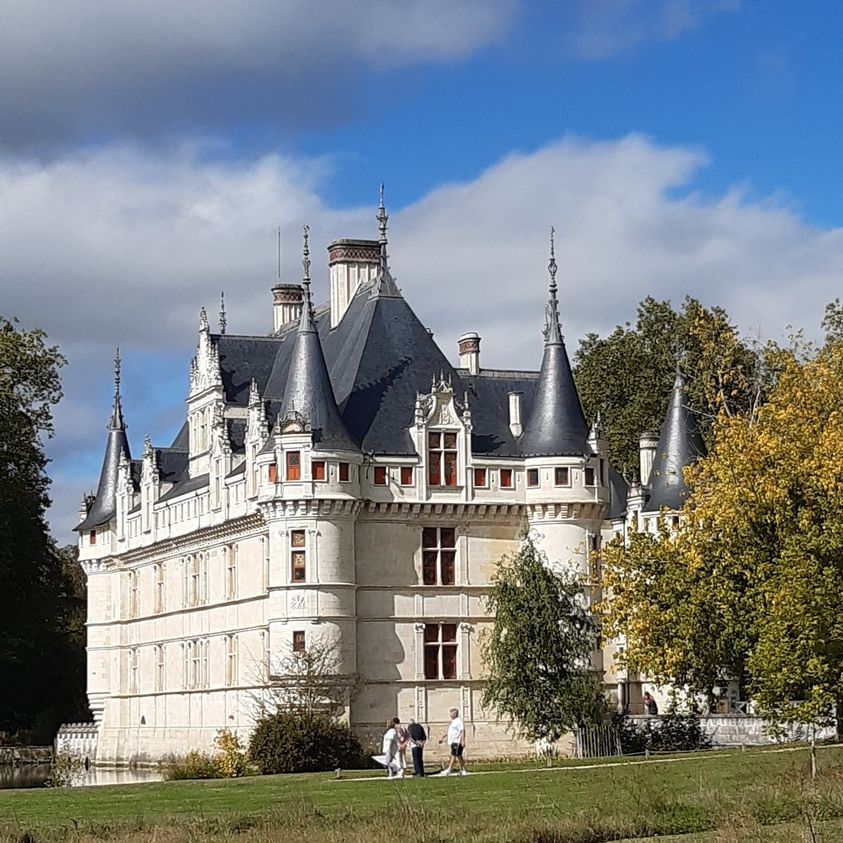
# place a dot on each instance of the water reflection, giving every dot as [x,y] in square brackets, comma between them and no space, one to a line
[33,775]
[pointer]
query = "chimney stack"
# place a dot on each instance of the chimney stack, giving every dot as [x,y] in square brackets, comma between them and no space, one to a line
[286,305]
[647,444]
[515,424]
[469,346]
[351,265]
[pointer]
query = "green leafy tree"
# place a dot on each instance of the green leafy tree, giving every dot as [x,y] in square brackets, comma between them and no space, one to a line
[39,659]
[627,376]
[750,584]
[538,651]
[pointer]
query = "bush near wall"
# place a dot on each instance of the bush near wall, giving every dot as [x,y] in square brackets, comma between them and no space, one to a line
[672,732]
[293,742]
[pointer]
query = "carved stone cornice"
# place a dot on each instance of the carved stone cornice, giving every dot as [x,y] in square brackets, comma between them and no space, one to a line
[544,511]
[197,540]
[310,508]
[407,510]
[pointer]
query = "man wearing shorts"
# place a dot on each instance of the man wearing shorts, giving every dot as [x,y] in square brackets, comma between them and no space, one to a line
[456,741]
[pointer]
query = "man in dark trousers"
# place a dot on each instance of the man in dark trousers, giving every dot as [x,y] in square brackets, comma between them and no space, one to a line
[417,740]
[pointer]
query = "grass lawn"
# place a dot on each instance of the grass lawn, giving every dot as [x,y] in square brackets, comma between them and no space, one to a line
[757,794]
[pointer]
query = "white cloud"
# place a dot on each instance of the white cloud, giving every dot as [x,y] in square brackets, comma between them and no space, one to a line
[84,68]
[122,246]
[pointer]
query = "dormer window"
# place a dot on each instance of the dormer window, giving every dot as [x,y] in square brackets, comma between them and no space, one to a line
[380,475]
[406,475]
[273,472]
[506,478]
[481,478]
[317,468]
[532,477]
[442,457]
[92,536]
[588,477]
[294,465]
[344,472]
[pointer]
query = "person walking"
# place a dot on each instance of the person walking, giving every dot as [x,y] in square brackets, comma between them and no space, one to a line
[418,738]
[403,737]
[456,742]
[390,752]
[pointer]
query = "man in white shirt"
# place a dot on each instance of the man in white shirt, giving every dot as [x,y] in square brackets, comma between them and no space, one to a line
[456,741]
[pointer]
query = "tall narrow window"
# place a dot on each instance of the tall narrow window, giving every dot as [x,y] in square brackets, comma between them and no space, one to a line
[265,562]
[231,670]
[406,475]
[298,641]
[506,478]
[133,594]
[273,472]
[195,580]
[133,670]
[317,468]
[380,475]
[185,666]
[230,571]
[344,472]
[159,668]
[562,476]
[481,478]
[438,555]
[159,588]
[92,536]
[442,457]
[588,477]
[440,651]
[532,477]
[195,664]
[294,465]
[297,556]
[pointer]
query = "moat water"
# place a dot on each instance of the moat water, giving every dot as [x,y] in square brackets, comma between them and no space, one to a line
[33,775]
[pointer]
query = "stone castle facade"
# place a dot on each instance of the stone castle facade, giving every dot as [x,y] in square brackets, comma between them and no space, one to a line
[340,480]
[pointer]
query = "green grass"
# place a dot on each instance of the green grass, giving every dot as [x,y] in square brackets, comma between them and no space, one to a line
[709,795]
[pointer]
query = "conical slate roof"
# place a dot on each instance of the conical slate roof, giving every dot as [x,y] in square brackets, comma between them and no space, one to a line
[680,445]
[556,425]
[104,506]
[308,392]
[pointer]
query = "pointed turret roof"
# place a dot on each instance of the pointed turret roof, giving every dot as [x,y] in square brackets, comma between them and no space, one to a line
[309,393]
[680,445]
[556,425]
[104,506]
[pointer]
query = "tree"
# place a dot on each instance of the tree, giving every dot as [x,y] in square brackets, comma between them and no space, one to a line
[306,682]
[627,376]
[538,652]
[37,657]
[751,582]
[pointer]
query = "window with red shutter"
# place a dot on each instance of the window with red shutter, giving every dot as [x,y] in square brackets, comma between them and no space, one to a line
[293,465]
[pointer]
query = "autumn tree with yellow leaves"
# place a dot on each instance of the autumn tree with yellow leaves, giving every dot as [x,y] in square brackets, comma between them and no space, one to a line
[750,585]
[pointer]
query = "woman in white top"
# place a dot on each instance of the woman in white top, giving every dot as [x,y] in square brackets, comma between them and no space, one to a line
[390,752]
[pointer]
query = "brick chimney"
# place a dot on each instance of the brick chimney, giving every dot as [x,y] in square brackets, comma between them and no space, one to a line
[286,304]
[469,347]
[351,264]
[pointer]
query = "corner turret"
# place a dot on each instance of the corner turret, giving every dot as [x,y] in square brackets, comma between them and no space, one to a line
[556,425]
[680,445]
[104,506]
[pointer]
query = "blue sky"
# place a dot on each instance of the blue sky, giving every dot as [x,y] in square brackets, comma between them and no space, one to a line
[149,151]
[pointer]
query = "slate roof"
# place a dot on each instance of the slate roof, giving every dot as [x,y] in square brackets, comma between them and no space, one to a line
[680,445]
[104,506]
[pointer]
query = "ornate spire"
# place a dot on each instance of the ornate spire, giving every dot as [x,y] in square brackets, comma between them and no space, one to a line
[305,260]
[116,422]
[384,283]
[552,331]
[223,320]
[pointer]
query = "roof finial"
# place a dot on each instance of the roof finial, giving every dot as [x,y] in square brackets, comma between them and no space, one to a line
[552,331]
[383,217]
[305,260]
[223,320]
[203,319]
[117,374]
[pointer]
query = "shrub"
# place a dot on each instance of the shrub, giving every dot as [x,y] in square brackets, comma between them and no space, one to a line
[194,765]
[64,769]
[672,732]
[231,761]
[292,742]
